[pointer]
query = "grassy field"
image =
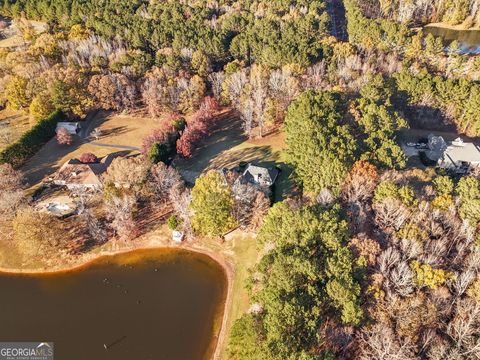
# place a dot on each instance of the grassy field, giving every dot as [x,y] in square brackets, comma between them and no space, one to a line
[245,255]
[12,125]
[120,133]
[227,147]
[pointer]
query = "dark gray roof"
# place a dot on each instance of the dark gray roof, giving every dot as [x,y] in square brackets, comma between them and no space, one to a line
[254,173]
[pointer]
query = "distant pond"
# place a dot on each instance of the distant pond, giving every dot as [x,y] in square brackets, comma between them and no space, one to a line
[147,304]
[469,40]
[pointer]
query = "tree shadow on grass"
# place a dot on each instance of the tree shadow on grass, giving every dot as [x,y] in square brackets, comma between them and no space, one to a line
[256,154]
[227,134]
[118,130]
[44,162]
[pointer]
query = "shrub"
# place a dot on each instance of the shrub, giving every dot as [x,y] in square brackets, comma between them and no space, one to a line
[407,196]
[474,289]
[173,222]
[88,158]
[160,144]
[385,190]
[19,152]
[159,152]
[412,232]
[468,190]
[443,202]
[443,185]
[388,189]
[179,124]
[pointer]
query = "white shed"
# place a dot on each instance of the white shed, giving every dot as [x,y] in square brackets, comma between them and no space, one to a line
[177,236]
[72,127]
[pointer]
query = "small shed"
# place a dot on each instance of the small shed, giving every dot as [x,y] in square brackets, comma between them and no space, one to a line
[72,127]
[177,236]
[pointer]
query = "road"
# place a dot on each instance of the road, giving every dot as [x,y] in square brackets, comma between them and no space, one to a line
[123,147]
[336,10]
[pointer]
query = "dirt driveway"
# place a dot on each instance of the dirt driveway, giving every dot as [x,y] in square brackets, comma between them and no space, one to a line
[119,133]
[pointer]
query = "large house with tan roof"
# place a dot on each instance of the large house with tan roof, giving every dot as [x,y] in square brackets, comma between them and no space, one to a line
[76,175]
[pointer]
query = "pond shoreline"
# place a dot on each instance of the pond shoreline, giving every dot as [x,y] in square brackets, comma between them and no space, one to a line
[214,350]
[443,25]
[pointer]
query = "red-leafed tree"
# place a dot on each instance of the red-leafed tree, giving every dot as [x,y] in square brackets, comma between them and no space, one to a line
[88,158]
[185,145]
[163,135]
[209,106]
[64,137]
[199,126]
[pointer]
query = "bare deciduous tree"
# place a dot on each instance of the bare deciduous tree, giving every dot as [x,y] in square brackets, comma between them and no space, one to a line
[121,211]
[391,214]
[95,228]
[234,85]
[181,199]
[380,343]
[216,80]
[251,204]
[128,173]
[464,329]
[165,179]
[247,116]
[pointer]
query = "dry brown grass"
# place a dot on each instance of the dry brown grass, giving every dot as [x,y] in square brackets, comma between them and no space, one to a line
[118,131]
[12,125]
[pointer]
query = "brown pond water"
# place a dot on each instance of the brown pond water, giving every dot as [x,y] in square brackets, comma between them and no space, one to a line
[468,40]
[147,304]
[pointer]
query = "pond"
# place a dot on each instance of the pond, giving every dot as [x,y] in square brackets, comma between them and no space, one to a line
[147,304]
[469,40]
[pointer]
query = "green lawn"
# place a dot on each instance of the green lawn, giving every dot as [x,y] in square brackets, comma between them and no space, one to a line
[227,147]
[245,255]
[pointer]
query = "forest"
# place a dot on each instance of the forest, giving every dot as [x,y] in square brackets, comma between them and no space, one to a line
[452,12]
[369,257]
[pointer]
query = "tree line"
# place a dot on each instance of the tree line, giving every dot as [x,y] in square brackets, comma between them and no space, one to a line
[273,33]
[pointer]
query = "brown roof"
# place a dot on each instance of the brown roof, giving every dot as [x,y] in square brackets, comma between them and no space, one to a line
[74,172]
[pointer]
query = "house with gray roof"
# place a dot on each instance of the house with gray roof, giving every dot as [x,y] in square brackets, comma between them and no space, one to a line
[456,155]
[261,176]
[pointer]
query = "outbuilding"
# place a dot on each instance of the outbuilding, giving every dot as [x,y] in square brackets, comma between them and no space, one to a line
[72,127]
[177,236]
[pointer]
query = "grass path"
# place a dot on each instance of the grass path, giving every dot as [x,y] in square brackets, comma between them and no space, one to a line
[245,255]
